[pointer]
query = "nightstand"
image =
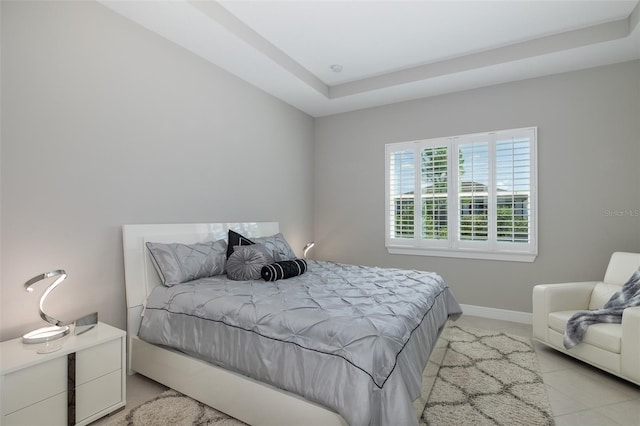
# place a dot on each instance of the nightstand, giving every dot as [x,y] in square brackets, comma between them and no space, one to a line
[75,385]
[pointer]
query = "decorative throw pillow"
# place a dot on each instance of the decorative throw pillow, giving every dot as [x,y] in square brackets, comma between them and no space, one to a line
[280,247]
[268,254]
[245,264]
[236,239]
[179,263]
[283,269]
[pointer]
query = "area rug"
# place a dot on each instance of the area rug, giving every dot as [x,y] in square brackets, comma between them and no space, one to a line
[485,378]
[488,378]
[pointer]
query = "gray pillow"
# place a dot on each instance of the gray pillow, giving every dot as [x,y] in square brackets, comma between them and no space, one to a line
[245,263]
[278,245]
[179,263]
[268,254]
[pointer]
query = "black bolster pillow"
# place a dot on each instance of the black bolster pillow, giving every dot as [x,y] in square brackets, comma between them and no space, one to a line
[283,269]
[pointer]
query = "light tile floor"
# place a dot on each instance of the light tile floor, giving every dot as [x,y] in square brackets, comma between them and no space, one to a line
[580,395]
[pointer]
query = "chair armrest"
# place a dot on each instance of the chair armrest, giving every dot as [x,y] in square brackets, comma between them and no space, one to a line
[549,298]
[630,354]
[565,296]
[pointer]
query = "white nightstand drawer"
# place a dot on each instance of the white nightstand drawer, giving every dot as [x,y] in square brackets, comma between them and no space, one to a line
[97,361]
[28,386]
[97,395]
[33,386]
[51,411]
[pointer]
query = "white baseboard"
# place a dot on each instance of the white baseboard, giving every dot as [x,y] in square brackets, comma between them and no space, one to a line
[499,314]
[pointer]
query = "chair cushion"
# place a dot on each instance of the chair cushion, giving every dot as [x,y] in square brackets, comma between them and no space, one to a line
[621,267]
[604,336]
[601,294]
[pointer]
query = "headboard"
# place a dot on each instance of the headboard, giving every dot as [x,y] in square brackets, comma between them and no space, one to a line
[139,272]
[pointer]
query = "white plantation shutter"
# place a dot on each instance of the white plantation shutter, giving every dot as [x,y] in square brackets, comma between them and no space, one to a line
[513,188]
[473,188]
[401,184]
[434,184]
[464,196]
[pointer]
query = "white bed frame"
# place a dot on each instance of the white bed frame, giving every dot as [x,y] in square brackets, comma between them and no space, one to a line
[246,399]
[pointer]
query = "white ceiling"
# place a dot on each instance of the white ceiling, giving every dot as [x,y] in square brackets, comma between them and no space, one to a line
[391,51]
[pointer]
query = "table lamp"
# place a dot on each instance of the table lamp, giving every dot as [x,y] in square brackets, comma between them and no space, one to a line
[307,247]
[55,331]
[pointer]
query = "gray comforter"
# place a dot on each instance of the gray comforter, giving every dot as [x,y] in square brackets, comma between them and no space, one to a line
[352,338]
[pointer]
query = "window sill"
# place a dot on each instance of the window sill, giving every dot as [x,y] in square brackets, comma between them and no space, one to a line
[509,256]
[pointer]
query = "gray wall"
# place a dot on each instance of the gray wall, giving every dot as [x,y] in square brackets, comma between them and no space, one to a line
[588,152]
[105,123]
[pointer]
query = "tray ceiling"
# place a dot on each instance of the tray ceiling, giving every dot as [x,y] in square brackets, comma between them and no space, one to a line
[391,51]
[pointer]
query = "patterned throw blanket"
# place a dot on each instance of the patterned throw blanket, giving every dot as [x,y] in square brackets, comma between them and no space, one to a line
[628,296]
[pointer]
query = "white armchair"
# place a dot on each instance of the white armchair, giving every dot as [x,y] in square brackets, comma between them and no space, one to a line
[612,347]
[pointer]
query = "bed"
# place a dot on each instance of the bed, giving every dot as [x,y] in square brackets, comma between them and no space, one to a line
[305,364]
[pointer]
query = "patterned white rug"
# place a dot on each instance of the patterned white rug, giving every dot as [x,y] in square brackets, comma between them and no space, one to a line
[488,378]
[485,378]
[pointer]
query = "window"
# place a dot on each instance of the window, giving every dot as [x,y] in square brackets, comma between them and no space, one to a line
[463,196]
